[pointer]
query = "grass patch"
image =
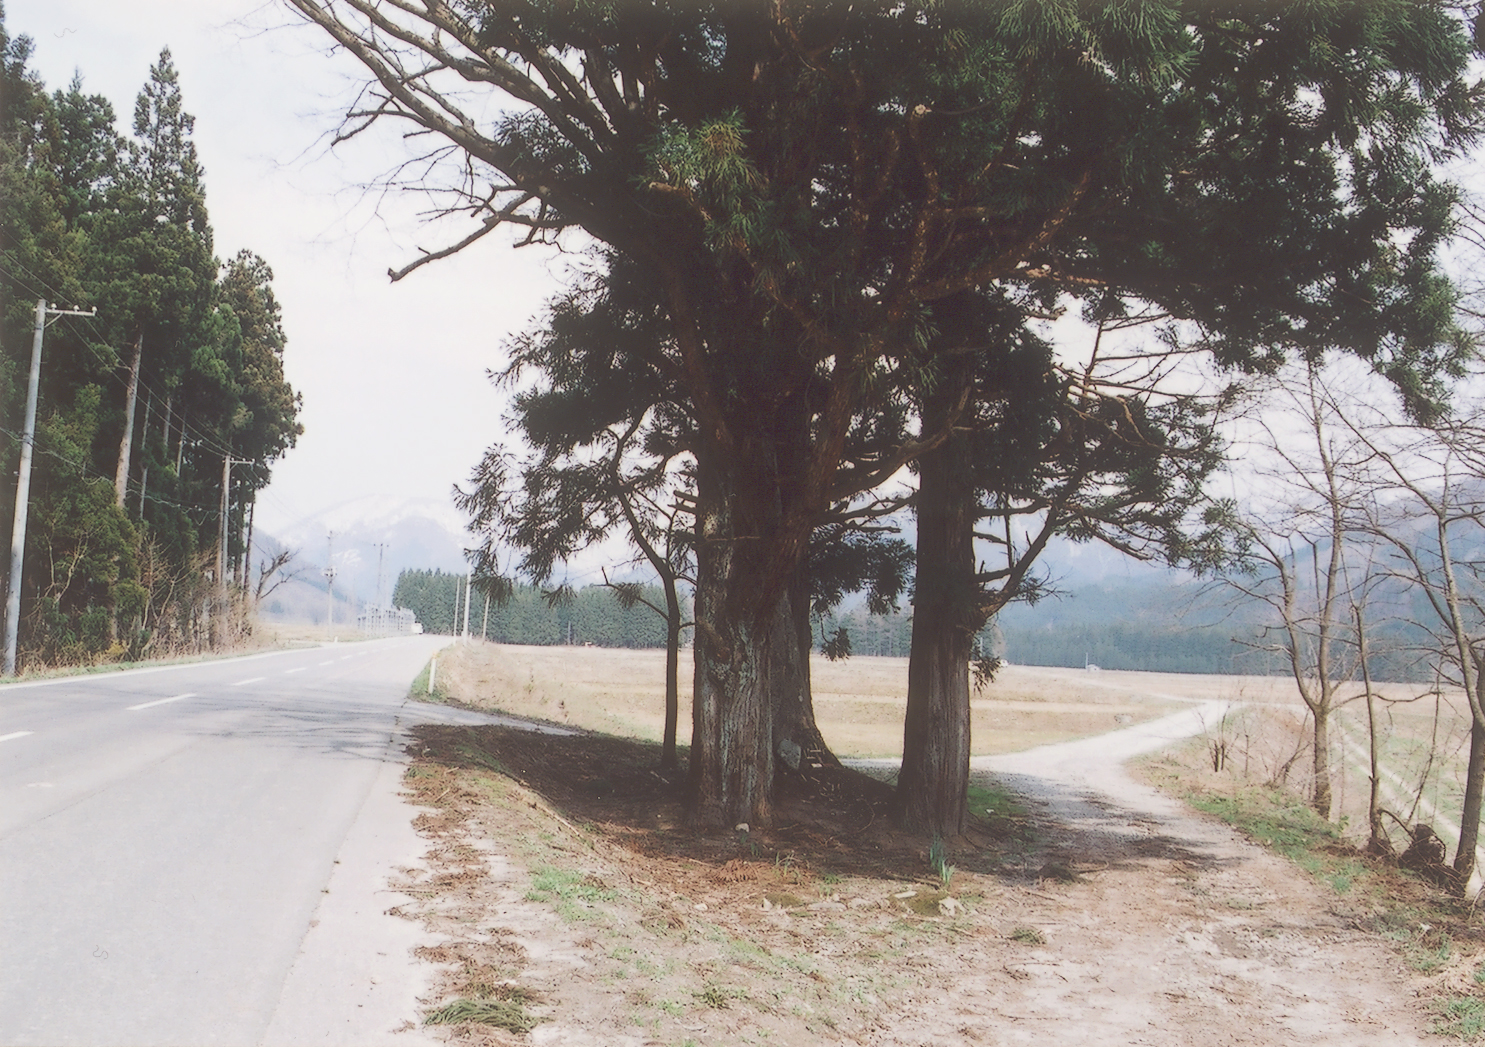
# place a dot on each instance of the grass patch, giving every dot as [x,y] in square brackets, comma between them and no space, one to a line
[504,1009]
[571,893]
[719,997]
[1284,823]
[1428,951]
[1275,819]
[1028,936]
[1006,817]
[419,690]
[1462,1017]
[993,801]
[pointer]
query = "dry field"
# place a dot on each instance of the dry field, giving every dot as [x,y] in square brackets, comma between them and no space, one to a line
[858,702]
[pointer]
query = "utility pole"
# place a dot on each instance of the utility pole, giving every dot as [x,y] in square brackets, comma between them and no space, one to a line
[121,475]
[227,463]
[330,578]
[381,550]
[23,483]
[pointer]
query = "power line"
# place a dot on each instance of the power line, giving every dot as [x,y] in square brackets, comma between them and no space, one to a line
[90,474]
[114,360]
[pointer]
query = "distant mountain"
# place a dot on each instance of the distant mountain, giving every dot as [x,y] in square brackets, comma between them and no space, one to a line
[374,538]
[1073,565]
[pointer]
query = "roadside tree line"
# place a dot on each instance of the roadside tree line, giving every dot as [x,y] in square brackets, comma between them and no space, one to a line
[141,404]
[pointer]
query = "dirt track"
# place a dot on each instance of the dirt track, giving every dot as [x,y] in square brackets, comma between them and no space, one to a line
[1180,932]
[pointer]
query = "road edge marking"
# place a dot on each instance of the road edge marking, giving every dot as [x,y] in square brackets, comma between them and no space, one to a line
[159,701]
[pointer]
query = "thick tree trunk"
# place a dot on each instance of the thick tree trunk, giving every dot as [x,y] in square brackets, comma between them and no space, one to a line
[755,502]
[731,772]
[131,398]
[730,778]
[933,786]
[752,714]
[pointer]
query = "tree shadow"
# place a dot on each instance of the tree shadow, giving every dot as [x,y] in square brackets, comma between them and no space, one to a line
[1079,828]
[835,820]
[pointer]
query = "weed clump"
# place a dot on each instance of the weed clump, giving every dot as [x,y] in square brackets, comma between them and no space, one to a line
[1462,1017]
[504,1008]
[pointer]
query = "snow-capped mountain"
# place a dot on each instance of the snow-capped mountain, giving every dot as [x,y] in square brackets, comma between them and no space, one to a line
[369,540]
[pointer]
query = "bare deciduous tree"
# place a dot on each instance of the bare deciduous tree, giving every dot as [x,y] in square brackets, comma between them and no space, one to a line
[1309,474]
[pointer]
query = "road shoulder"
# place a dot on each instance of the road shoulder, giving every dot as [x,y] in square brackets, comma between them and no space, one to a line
[355,980]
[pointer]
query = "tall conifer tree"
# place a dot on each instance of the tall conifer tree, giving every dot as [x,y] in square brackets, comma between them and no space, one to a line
[806,181]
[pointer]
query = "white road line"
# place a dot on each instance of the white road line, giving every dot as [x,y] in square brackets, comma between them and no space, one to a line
[244,683]
[345,657]
[298,670]
[160,701]
[330,662]
[14,734]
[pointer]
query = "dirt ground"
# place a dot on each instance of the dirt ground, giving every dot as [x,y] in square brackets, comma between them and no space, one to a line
[574,910]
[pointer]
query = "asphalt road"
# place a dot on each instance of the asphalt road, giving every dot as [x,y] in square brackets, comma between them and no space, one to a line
[198,854]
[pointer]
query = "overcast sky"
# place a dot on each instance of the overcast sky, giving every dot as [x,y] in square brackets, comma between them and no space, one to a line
[393,375]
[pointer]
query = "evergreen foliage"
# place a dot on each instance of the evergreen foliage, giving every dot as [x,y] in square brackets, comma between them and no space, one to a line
[528,616]
[125,519]
[809,193]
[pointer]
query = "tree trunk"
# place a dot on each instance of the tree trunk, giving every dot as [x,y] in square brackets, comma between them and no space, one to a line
[1320,796]
[1469,819]
[797,742]
[668,757]
[131,398]
[738,643]
[932,788]
[244,575]
[731,772]
[1376,834]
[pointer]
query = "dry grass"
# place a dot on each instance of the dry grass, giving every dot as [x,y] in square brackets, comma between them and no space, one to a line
[858,702]
[273,633]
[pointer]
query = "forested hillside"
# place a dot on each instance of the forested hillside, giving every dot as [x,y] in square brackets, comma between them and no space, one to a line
[173,381]
[587,615]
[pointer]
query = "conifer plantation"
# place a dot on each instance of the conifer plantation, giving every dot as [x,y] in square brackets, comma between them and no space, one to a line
[179,368]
